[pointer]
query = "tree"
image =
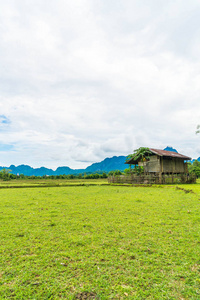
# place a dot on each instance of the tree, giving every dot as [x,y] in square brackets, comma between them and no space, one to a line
[117,172]
[194,168]
[111,173]
[141,153]
[127,171]
[104,175]
[5,174]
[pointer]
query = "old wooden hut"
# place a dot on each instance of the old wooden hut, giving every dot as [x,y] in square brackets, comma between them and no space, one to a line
[162,162]
[160,167]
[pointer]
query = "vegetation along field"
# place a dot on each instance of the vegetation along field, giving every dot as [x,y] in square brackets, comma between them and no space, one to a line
[100,242]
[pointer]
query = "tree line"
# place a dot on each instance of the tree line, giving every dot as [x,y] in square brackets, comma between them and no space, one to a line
[6,175]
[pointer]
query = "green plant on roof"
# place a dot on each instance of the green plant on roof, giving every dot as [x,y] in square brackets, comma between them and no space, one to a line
[142,154]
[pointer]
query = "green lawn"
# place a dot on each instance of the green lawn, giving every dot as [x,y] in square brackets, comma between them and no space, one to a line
[104,242]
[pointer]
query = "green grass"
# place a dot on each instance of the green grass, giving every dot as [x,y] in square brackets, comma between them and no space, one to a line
[50,182]
[112,242]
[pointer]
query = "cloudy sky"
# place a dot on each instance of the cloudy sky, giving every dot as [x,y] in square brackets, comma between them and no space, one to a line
[83,80]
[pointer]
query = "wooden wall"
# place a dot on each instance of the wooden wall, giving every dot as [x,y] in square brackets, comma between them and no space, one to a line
[153,165]
[158,164]
[174,165]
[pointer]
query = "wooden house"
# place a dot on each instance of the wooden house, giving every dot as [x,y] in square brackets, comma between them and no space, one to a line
[162,162]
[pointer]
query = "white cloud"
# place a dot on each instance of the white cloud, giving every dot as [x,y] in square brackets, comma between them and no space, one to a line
[82,80]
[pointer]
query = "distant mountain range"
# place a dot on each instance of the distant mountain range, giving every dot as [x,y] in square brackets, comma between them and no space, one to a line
[107,165]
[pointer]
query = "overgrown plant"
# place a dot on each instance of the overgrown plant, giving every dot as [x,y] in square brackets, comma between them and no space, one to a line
[142,153]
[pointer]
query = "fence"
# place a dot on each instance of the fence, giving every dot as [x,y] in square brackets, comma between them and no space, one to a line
[152,178]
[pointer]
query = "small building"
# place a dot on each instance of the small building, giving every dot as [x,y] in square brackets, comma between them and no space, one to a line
[162,162]
[160,167]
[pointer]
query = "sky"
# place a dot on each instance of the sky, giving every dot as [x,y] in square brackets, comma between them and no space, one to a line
[83,80]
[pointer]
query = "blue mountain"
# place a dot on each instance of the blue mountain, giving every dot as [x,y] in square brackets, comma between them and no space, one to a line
[108,164]
[170,149]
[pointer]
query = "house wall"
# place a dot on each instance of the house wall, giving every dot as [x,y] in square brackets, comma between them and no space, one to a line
[179,166]
[173,165]
[153,165]
[169,165]
[158,164]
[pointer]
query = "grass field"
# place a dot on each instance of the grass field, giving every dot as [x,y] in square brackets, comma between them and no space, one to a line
[100,242]
[50,182]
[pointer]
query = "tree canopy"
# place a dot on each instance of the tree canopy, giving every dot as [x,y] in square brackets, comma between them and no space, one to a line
[194,168]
